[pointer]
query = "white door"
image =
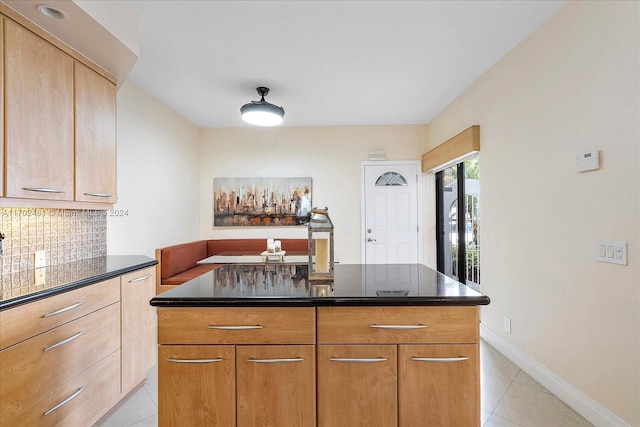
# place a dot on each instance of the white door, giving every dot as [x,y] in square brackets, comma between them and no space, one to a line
[391,234]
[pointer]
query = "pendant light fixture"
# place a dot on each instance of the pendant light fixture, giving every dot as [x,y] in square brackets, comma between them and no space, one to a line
[262,113]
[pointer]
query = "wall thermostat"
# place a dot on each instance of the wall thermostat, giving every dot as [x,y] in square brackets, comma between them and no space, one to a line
[588,161]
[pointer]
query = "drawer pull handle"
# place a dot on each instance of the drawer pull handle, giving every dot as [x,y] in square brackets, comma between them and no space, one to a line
[235,328]
[139,279]
[172,360]
[291,360]
[440,359]
[398,327]
[359,360]
[64,402]
[98,194]
[62,310]
[43,190]
[64,341]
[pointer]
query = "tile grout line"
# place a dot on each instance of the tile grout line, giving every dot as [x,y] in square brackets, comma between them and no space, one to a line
[502,398]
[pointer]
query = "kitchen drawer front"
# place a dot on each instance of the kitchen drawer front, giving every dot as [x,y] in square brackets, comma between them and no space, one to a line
[26,321]
[388,325]
[224,325]
[30,369]
[80,401]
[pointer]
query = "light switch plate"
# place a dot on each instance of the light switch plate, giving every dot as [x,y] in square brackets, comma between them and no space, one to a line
[612,251]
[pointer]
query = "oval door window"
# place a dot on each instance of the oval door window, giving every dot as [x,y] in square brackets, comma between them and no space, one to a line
[391,179]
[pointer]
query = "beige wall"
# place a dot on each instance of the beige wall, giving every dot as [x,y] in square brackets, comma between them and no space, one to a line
[158,183]
[571,86]
[332,156]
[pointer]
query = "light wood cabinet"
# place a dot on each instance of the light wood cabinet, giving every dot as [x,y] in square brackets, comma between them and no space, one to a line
[95,136]
[438,385]
[276,386]
[57,364]
[59,354]
[357,385]
[74,355]
[196,385]
[356,366]
[138,326]
[39,123]
[438,381]
[260,362]
[58,122]
[78,402]
[262,325]
[42,315]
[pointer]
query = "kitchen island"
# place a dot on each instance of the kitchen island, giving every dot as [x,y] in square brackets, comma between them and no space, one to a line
[258,345]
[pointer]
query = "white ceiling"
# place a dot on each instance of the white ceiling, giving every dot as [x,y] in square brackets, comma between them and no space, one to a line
[326,62]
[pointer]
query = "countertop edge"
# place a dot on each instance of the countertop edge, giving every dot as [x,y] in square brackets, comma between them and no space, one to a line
[318,302]
[46,293]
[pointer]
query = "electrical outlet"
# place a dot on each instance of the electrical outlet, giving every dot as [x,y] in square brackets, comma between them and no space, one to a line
[41,276]
[40,259]
[507,325]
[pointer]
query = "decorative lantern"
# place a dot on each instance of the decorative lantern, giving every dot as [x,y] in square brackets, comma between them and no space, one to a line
[320,245]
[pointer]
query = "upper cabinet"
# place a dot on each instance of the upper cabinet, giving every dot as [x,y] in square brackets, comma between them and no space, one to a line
[38,117]
[59,123]
[95,107]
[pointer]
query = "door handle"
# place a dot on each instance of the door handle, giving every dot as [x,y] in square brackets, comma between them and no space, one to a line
[371,240]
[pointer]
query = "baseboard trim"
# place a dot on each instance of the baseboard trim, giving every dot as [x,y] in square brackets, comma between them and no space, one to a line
[580,402]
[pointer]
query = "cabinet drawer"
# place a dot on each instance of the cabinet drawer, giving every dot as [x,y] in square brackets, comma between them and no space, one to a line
[386,325]
[31,368]
[79,402]
[237,325]
[23,322]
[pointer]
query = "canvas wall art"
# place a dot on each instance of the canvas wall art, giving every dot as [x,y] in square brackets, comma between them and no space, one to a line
[251,202]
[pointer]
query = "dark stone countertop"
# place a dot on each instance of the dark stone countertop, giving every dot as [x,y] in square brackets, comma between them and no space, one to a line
[20,289]
[262,285]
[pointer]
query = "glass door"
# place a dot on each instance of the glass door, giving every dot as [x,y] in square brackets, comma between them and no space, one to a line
[458,224]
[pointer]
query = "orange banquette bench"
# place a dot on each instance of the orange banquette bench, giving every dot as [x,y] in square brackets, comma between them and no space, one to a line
[179,263]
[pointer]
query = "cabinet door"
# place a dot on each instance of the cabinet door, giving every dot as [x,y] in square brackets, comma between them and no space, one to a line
[38,117]
[138,326]
[439,385]
[196,385]
[95,127]
[276,386]
[357,385]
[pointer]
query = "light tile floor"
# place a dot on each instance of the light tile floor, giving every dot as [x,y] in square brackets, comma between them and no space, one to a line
[510,398]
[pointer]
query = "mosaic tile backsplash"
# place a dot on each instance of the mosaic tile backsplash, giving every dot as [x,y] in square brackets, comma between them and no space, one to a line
[65,235]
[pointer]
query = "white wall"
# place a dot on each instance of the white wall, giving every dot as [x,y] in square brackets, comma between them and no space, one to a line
[158,182]
[573,85]
[332,156]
